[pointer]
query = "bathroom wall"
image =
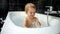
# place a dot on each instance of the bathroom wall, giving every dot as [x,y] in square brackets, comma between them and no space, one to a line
[17,5]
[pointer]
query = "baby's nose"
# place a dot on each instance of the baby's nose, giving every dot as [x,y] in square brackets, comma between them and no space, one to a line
[32,13]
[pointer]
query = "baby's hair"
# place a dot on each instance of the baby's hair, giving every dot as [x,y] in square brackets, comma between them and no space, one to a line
[31,5]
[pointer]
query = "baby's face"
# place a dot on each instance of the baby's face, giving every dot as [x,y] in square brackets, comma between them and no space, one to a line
[31,12]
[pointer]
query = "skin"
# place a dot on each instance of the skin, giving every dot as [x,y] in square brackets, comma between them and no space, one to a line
[30,18]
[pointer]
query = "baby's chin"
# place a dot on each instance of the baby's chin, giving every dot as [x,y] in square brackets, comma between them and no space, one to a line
[32,17]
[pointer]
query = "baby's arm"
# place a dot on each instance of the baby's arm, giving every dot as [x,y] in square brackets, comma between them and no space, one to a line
[25,23]
[39,23]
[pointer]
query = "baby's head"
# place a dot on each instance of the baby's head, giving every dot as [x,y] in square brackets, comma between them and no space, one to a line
[30,9]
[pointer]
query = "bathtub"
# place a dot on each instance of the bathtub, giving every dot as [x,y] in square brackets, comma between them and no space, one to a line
[14,20]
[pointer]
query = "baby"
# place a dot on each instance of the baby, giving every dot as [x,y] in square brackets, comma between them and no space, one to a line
[30,20]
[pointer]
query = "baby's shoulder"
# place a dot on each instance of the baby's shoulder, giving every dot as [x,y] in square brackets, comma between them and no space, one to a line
[35,17]
[25,18]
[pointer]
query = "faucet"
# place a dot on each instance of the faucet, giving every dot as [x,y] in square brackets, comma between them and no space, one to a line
[48,11]
[50,8]
[1,21]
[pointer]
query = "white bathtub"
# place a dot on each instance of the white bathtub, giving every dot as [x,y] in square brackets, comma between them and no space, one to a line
[14,20]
